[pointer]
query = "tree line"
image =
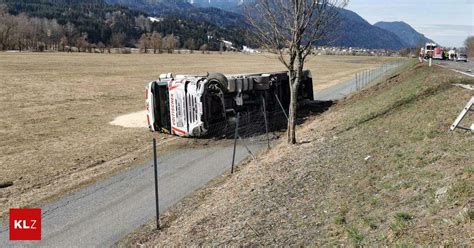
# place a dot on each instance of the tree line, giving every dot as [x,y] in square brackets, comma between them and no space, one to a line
[92,25]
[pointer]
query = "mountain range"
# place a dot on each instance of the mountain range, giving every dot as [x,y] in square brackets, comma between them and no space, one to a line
[354,31]
[405,32]
[203,21]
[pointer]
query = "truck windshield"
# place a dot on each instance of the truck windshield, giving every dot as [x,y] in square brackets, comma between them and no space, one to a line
[162,110]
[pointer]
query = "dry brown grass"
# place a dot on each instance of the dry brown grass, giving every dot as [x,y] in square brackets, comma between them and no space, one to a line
[416,188]
[55,109]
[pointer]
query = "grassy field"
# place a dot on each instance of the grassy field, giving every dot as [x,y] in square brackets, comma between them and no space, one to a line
[378,169]
[55,109]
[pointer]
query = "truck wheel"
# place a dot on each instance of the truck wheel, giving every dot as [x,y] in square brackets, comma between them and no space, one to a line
[219,78]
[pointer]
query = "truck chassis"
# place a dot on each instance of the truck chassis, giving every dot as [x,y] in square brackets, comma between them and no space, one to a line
[199,106]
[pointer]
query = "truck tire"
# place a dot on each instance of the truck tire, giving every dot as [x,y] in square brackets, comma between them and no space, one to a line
[219,78]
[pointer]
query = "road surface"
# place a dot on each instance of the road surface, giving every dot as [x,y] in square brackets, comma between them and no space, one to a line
[100,215]
[336,92]
[103,213]
[341,90]
[461,67]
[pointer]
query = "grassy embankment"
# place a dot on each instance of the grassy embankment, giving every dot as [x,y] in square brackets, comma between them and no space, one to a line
[379,168]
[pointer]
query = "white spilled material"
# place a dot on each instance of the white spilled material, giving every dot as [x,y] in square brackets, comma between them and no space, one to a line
[132,120]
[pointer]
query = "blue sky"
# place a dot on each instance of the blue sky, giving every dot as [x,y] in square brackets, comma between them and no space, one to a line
[448,22]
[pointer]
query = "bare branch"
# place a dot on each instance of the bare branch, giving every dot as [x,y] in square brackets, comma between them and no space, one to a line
[290,28]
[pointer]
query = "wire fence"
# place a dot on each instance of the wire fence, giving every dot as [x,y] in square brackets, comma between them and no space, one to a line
[254,130]
[360,81]
[366,77]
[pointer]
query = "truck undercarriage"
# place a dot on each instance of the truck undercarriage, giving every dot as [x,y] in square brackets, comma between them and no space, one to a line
[200,106]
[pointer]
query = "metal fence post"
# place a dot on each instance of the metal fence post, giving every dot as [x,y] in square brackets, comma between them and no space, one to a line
[366,77]
[235,141]
[358,81]
[155,165]
[356,84]
[266,121]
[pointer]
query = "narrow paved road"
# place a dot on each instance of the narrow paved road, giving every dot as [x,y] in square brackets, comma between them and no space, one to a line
[341,90]
[100,215]
[336,92]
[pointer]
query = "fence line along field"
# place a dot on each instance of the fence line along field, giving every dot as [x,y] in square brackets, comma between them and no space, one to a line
[55,109]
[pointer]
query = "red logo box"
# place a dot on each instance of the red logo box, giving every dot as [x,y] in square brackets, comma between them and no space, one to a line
[25,224]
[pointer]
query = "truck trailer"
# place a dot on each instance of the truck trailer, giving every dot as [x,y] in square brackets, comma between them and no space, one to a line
[191,105]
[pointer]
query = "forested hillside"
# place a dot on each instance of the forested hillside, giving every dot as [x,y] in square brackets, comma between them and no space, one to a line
[57,24]
[93,17]
[85,24]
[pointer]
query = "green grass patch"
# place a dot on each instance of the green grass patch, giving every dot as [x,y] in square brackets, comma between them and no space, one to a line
[469,169]
[356,236]
[340,220]
[402,216]
[459,191]
[400,223]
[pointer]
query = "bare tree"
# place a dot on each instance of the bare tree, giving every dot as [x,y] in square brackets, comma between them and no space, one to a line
[144,42]
[204,48]
[156,42]
[170,43]
[101,46]
[117,39]
[8,25]
[63,43]
[469,44]
[22,32]
[81,43]
[190,45]
[55,32]
[289,28]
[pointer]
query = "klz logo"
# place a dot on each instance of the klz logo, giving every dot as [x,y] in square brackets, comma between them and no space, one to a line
[25,224]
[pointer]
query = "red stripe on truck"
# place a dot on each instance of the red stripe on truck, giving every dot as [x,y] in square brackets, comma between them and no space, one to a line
[178,131]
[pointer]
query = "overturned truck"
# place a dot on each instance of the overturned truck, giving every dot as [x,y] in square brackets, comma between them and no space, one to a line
[190,106]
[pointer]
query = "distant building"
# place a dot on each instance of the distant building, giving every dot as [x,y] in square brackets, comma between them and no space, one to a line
[247,49]
[155,19]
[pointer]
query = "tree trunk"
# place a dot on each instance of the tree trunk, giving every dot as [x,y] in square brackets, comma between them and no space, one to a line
[294,82]
[292,116]
[295,79]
